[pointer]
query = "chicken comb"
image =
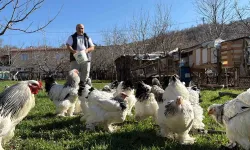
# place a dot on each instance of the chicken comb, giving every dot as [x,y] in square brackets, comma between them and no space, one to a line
[40,84]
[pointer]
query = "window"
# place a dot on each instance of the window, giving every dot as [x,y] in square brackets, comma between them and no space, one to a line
[24,56]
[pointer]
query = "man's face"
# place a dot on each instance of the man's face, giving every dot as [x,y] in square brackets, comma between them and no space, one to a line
[80,29]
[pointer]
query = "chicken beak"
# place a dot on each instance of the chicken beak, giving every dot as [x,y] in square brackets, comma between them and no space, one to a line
[40,84]
[123,95]
[210,112]
[76,71]
[179,100]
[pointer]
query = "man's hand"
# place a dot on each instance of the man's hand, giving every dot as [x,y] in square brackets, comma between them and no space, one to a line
[73,51]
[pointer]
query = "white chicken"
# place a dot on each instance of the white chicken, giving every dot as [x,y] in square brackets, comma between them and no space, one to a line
[64,96]
[146,104]
[128,88]
[234,115]
[175,118]
[103,109]
[177,88]
[15,103]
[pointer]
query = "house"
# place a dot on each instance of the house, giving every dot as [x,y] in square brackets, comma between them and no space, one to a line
[32,63]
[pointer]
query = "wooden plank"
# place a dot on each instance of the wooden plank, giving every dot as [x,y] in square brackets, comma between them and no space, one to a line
[224,57]
[194,57]
[200,56]
[209,55]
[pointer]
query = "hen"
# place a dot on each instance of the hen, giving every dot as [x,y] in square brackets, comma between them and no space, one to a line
[78,105]
[128,88]
[175,118]
[234,115]
[111,87]
[15,103]
[64,96]
[157,90]
[102,108]
[176,88]
[146,104]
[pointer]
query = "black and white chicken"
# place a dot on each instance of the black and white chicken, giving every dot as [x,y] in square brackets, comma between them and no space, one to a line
[157,90]
[111,87]
[78,105]
[102,108]
[177,88]
[146,104]
[234,115]
[128,88]
[15,103]
[64,96]
[175,118]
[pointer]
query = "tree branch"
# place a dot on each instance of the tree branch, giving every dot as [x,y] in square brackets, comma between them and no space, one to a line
[19,15]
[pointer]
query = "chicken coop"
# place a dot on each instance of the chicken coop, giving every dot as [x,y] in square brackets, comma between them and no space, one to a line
[200,61]
[145,66]
[228,60]
[235,58]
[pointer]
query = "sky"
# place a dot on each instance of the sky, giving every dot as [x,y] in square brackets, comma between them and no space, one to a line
[96,15]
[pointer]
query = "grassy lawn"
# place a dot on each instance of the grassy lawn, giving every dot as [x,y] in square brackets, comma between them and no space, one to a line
[41,130]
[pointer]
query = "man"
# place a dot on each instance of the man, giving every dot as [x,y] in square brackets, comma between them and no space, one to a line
[79,41]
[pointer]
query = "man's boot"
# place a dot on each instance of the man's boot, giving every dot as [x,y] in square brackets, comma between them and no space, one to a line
[81,87]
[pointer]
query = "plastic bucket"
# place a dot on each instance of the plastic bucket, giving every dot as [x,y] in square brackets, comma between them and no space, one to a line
[81,57]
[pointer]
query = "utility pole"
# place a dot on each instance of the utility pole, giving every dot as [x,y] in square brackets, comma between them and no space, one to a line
[203,20]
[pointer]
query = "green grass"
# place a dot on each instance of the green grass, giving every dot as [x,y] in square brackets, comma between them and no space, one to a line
[41,130]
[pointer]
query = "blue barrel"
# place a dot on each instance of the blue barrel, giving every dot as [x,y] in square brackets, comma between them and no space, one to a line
[185,74]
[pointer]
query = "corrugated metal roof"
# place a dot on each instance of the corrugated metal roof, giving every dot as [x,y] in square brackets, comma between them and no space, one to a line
[148,56]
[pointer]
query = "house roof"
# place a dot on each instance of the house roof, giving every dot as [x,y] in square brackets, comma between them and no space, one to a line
[244,37]
[208,44]
[37,49]
[153,56]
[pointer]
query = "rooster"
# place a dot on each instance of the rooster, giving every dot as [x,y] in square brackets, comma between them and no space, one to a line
[15,103]
[146,104]
[128,88]
[234,116]
[64,96]
[176,88]
[175,118]
[103,108]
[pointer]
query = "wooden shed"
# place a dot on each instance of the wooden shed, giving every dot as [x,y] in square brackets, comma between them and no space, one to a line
[143,66]
[235,53]
[202,61]
[201,56]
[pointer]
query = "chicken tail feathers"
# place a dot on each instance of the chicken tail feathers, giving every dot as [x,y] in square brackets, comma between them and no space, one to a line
[90,90]
[123,105]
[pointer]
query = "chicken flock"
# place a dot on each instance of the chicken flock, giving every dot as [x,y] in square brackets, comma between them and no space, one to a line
[176,110]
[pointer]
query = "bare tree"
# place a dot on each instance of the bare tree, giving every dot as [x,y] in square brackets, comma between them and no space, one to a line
[140,32]
[216,13]
[243,14]
[163,39]
[116,42]
[20,12]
